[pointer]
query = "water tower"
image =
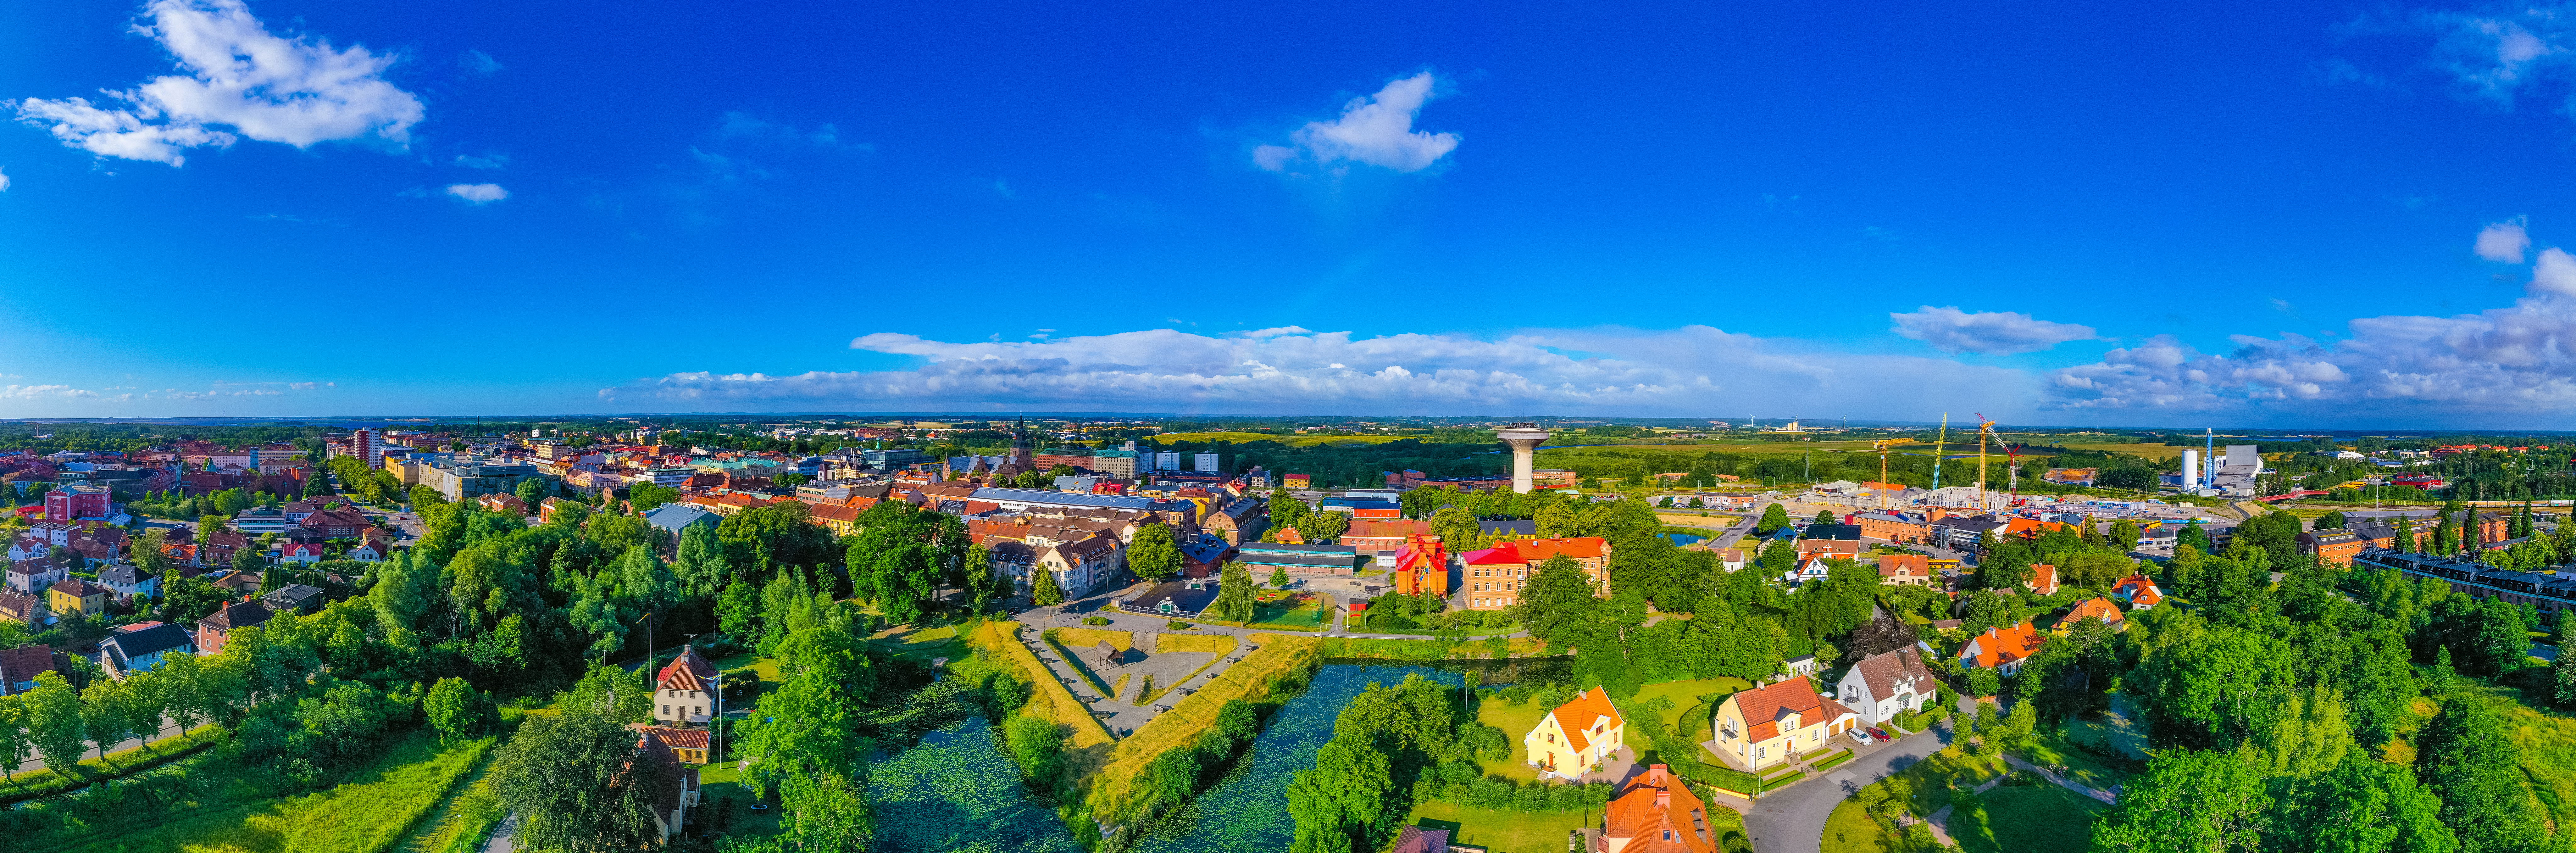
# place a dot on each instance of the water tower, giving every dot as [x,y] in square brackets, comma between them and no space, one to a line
[1524,438]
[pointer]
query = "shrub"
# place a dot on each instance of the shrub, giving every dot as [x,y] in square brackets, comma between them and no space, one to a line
[1095,620]
[1180,626]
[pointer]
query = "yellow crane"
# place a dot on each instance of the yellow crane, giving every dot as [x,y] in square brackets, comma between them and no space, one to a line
[1882,448]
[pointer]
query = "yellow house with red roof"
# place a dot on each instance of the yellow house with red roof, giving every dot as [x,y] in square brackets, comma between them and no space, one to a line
[1577,735]
[1767,725]
[1494,577]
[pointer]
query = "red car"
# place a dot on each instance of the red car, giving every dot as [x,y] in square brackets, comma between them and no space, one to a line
[1875,732]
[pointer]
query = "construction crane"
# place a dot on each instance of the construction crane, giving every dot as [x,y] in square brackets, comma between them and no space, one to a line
[1984,428]
[1882,448]
[1940,443]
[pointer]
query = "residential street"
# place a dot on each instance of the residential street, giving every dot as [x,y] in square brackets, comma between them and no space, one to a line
[1792,820]
[168,730]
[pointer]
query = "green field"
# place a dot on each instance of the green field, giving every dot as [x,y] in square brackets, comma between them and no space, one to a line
[1289,440]
[925,644]
[367,813]
[2034,818]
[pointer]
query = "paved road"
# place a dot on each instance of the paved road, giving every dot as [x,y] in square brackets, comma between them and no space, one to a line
[1792,820]
[168,730]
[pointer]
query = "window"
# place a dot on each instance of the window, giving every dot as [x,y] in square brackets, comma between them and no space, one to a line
[666,710]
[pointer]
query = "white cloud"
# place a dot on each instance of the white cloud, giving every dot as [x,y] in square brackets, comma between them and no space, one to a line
[1693,369]
[4,182]
[1954,331]
[30,392]
[2515,361]
[1377,130]
[493,161]
[297,91]
[2503,241]
[479,193]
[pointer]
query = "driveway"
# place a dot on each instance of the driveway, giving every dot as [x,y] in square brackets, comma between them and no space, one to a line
[1792,819]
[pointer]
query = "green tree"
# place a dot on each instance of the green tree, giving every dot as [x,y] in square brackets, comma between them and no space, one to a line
[532,491]
[2362,806]
[53,712]
[2463,756]
[1045,591]
[1774,517]
[699,564]
[1154,556]
[578,782]
[455,710]
[1278,578]
[646,497]
[2188,800]
[1234,596]
[15,746]
[1559,598]
[2563,678]
[108,715]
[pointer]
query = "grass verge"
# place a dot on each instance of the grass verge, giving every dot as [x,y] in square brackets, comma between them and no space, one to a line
[1500,831]
[45,782]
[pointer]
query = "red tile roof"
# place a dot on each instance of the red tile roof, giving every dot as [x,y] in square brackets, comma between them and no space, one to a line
[1999,646]
[1577,547]
[1577,717]
[1763,707]
[1656,813]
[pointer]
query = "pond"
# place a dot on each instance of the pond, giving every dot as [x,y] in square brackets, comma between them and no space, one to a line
[955,790]
[1684,539]
[1248,809]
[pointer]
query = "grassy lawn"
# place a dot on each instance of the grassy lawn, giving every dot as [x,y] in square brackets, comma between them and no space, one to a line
[720,787]
[1685,694]
[2034,818]
[1851,830]
[1515,721]
[368,812]
[926,644]
[1084,638]
[1501,831]
[1180,642]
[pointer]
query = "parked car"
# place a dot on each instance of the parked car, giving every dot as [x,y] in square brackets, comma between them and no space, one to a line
[1878,733]
[1860,737]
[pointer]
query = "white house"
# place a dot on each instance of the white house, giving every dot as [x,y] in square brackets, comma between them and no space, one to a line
[1884,685]
[141,648]
[128,581]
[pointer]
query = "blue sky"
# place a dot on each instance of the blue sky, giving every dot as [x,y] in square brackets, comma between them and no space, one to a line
[2330,215]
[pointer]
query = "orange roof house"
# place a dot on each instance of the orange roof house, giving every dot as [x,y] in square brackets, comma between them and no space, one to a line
[1767,725]
[1568,741]
[2043,579]
[2139,591]
[1902,569]
[2098,608]
[1655,813]
[1421,566]
[2001,649]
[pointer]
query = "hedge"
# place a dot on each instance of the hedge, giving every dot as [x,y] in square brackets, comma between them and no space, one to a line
[1831,763]
[1769,785]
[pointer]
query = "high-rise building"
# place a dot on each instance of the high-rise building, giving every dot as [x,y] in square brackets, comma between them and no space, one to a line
[1203,462]
[367,445]
[1167,461]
